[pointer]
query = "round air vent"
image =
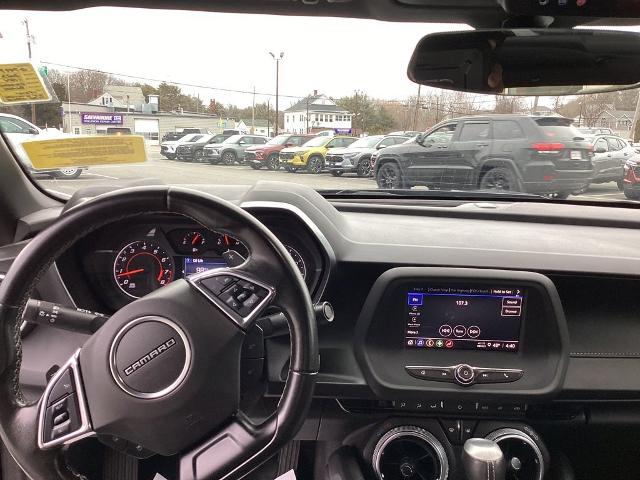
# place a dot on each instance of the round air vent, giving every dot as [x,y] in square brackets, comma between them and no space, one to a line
[410,453]
[521,453]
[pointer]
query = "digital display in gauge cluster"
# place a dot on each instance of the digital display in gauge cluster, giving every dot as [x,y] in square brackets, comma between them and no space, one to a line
[142,266]
[461,317]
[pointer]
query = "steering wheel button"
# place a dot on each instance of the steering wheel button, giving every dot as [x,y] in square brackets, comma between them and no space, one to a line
[233,303]
[61,418]
[217,284]
[243,296]
[64,386]
[251,302]
[61,430]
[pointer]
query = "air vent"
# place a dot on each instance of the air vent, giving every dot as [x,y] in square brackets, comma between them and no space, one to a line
[410,453]
[522,454]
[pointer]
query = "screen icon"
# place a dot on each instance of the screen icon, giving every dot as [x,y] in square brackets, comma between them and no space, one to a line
[430,343]
[410,343]
[459,331]
[448,343]
[420,342]
[473,331]
[445,330]
[415,299]
[439,343]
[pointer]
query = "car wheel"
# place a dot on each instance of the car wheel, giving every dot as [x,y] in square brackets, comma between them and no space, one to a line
[630,194]
[229,157]
[273,162]
[499,178]
[559,195]
[389,176]
[198,156]
[620,185]
[336,173]
[255,166]
[364,168]
[68,173]
[315,164]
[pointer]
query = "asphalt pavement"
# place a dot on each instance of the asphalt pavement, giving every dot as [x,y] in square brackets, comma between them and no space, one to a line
[175,172]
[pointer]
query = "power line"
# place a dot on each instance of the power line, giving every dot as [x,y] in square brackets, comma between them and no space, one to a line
[193,85]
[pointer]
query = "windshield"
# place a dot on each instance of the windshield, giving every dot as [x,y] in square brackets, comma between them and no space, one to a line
[367,142]
[279,140]
[123,95]
[317,141]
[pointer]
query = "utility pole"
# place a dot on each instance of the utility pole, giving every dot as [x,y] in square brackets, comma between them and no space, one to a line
[69,100]
[33,105]
[415,114]
[307,117]
[268,119]
[636,119]
[277,59]
[356,114]
[253,112]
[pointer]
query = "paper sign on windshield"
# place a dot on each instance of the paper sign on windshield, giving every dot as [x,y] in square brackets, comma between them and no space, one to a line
[86,151]
[21,83]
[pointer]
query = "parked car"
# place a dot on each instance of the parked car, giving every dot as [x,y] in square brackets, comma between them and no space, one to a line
[540,155]
[631,178]
[232,149]
[610,155]
[267,155]
[406,133]
[193,149]
[18,130]
[168,149]
[326,133]
[356,158]
[311,155]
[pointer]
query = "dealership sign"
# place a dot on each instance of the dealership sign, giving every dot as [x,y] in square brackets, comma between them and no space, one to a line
[101,118]
[342,131]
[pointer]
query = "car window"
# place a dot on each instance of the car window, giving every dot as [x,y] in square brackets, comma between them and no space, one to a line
[474,131]
[507,130]
[387,142]
[613,144]
[195,138]
[602,144]
[259,141]
[13,125]
[442,134]
[297,141]
[622,143]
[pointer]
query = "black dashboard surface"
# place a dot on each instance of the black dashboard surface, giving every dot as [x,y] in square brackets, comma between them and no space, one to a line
[589,253]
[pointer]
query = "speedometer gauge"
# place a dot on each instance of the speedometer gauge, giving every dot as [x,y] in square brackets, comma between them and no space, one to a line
[142,267]
[298,260]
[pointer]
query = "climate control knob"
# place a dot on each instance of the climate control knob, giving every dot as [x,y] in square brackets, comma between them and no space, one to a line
[464,374]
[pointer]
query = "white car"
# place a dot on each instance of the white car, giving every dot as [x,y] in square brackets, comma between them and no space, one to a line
[18,130]
[168,148]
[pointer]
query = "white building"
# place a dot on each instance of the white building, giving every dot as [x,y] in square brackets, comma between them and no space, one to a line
[315,113]
[259,127]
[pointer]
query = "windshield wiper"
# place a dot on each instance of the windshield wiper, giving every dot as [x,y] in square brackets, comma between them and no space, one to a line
[435,194]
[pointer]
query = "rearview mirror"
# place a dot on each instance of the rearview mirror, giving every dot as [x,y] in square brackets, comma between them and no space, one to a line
[528,61]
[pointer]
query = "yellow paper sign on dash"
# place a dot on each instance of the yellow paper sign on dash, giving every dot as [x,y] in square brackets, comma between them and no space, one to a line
[86,151]
[21,83]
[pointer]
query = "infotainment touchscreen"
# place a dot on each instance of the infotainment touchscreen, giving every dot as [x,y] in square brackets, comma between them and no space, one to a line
[464,317]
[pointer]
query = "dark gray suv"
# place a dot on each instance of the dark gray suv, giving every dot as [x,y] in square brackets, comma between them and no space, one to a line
[541,155]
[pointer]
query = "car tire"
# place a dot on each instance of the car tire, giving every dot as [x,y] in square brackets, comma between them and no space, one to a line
[198,156]
[170,157]
[336,173]
[290,169]
[389,176]
[364,168]
[229,157]
[620,184]
[273,162]
[255,166]
[68,173]
[500,178]
[560,195]
[631,194]
[315,164]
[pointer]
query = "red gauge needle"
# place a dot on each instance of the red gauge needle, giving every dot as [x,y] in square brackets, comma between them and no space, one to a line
[226,239]
[196,238]
[130,272]
[160,274]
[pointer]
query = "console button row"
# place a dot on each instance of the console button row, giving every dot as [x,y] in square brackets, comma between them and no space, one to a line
[464,374]
[460,407]
[239,295]
[458,431]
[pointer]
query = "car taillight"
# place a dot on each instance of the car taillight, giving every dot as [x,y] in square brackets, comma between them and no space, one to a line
[547,147]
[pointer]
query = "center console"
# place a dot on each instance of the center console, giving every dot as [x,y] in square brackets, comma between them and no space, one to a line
[455,354]
[439,333]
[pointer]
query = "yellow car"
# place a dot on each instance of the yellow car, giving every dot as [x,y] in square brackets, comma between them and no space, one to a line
[311,154]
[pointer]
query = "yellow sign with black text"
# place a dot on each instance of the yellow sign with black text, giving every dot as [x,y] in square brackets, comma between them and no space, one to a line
[86,151]
[21,83]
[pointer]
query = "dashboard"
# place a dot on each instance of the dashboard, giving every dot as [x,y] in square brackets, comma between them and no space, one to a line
[120,263]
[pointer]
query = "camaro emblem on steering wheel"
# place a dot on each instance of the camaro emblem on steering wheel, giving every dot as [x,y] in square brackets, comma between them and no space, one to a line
[150,357]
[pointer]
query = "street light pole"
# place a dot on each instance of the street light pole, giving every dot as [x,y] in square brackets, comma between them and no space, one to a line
[277,59]
[33,105]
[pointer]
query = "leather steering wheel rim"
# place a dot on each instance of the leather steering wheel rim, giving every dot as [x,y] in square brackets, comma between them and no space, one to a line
[237,446]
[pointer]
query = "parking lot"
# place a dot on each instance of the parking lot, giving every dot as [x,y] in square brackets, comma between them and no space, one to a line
[174,172]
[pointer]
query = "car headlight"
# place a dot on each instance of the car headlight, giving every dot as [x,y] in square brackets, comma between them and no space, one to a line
[350,155]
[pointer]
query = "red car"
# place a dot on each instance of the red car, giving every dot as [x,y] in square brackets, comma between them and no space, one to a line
[267,155]
[631,178]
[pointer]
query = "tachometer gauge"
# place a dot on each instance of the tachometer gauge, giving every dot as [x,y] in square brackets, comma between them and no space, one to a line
[193,242]
[298,260]
[142,267]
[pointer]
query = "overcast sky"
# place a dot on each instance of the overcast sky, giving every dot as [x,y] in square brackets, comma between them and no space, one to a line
[334,56]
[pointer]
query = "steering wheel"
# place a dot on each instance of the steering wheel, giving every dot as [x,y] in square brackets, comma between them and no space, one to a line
[162,376]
